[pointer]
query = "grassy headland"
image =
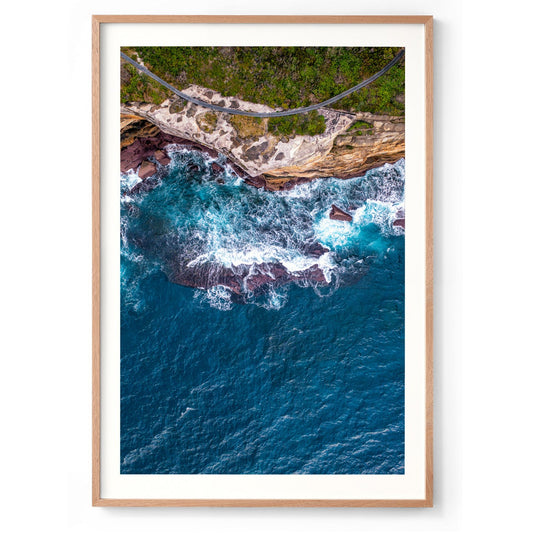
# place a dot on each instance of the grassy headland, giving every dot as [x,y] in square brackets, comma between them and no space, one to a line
[286,77]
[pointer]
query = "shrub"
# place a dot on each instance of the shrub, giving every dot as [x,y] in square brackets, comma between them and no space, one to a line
[248,126]
[207,121]
[305,124]
[287,77]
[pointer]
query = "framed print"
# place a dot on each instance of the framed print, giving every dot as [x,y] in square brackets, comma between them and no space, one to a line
[262,261]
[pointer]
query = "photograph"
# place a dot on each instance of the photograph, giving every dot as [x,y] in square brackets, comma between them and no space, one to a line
[257,267]
[262,260]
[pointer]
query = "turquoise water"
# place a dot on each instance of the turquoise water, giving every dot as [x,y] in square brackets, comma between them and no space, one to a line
[300,375]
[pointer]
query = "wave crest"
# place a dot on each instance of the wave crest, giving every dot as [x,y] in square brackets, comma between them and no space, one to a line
[214,232]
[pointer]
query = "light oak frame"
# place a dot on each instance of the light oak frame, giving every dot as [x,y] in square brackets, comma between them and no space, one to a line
[97,500]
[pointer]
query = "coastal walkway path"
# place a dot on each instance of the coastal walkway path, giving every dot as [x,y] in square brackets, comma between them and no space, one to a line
[272,114]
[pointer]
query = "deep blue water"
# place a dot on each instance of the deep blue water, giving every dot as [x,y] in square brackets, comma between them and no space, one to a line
[296,378]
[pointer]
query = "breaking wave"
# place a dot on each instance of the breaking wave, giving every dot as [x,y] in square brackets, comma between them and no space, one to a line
[235,243]
[279,348]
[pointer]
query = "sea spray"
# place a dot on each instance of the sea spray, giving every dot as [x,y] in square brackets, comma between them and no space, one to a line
[213,231]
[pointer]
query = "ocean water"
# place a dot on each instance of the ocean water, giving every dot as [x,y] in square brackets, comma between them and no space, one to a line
[294,377]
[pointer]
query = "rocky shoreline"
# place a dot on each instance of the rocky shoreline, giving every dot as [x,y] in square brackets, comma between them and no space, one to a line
[143,143]
[139,152]
[351,144]
[144,149]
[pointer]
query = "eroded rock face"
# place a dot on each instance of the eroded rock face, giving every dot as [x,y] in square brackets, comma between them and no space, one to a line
[132,128]
[141,149]
[351,145]
[353,152]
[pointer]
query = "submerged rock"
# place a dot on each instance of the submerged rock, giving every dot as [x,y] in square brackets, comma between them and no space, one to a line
[145,186]
[337,213]
[193,167]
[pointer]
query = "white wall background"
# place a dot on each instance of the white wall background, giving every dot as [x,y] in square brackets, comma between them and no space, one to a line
[483,288]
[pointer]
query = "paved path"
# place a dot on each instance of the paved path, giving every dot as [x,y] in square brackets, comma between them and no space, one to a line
[287,113]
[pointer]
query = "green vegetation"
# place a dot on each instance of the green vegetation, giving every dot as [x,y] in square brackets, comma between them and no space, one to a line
[207,121]
[177,105]
[136,87]
[360,127]
[281,77]
[359,124]
[305,124]
[248,126]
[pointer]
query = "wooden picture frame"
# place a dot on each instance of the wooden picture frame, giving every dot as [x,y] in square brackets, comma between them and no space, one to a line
[103,500]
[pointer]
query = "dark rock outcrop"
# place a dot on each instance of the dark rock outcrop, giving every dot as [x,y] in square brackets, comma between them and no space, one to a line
[161,157]
[337,213]
[256,181]
[276,274]
[316,249]
[216,168]
[243,278]
[399,222]
[146,169]
[142,148]
[145,186]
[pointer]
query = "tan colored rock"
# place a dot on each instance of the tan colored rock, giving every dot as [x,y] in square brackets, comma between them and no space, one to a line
[207,121]
[339,151]
[132,127]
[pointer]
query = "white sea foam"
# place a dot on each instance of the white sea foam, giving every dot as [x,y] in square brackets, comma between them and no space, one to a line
[337,234]
[333,233]
[197,221]
[129,179]
[383,214]
[292,260]
[219,297]
[304,190]
[274,299]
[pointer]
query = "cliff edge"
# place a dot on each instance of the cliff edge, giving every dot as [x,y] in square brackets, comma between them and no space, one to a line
[350,145]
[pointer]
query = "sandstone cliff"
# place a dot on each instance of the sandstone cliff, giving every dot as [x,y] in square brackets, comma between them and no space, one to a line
[350,145]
